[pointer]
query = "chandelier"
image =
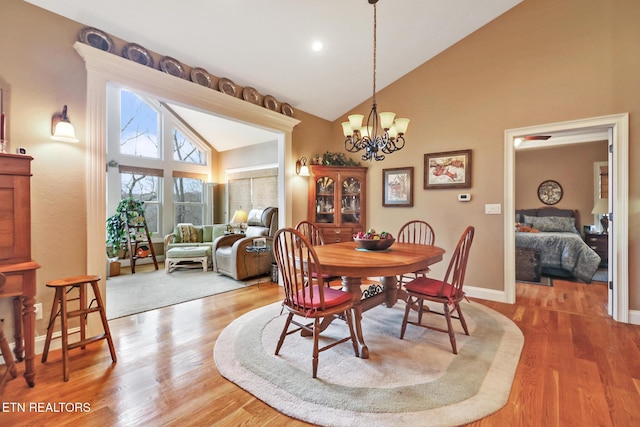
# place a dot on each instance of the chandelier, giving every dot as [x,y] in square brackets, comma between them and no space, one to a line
[366,138]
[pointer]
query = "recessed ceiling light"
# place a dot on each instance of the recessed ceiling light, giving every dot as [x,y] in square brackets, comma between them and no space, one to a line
[317,46]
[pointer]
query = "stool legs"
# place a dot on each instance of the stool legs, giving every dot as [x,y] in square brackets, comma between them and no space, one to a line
[7,356]
[60,308]
[105,324]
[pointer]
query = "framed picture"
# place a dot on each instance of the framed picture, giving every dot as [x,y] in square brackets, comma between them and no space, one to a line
[397,187]
[450,169]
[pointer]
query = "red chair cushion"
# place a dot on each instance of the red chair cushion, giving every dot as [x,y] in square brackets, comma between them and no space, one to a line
[430,287]
[332,297]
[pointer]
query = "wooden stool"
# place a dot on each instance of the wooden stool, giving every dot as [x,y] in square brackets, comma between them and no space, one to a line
[7,356]
[60,308]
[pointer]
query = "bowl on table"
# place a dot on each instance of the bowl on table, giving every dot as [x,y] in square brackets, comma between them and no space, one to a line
[374,244]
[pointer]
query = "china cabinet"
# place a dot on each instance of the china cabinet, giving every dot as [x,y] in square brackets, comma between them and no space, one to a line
[337,201]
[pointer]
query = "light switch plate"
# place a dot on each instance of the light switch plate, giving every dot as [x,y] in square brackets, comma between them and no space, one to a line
[493,209]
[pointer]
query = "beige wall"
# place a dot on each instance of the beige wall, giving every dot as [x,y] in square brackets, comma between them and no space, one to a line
[571,166]
[543,61]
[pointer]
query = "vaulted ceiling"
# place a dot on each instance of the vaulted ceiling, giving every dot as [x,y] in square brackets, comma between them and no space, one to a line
[267,45]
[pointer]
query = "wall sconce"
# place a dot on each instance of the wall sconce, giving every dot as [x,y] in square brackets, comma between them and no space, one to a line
[61,127]
[301,167]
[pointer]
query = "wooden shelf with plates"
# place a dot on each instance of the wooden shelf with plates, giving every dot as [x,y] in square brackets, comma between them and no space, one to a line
[337,201]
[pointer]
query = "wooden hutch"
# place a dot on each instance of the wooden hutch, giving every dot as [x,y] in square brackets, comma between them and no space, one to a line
[337,201]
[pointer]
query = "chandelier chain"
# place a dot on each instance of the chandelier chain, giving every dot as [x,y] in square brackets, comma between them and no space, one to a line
[375,40]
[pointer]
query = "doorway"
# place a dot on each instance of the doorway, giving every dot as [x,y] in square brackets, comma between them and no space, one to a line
[617,127]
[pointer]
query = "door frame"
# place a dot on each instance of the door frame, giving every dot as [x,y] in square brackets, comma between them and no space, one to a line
[619,202]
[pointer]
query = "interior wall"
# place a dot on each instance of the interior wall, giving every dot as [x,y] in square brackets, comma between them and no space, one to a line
[577,61]
[569,165]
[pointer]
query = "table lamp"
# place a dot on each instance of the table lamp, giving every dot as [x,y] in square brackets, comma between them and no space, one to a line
[239,218]
[602,208]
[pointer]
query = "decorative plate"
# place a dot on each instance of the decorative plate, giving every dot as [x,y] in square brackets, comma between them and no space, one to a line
[227,87]
[172,66]
[249,94]
[286,109]
[201,77]
[137,53]
[549,192]
[271,103]
[96,38]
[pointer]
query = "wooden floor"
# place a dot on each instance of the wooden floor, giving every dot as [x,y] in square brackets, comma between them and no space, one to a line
[578,368]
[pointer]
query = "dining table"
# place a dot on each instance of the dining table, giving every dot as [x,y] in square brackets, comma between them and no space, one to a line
[353,263]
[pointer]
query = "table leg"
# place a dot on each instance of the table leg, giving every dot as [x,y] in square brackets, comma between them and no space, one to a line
[352,285]
[18,348]
[29,322]
[390,285]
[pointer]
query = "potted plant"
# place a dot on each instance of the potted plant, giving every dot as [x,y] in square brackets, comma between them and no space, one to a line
[129,211]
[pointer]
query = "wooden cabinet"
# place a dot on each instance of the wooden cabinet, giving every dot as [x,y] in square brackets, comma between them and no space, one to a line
[15,254]
[337,201]
[600,244]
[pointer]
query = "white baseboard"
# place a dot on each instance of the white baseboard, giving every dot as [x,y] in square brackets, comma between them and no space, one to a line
[39,343]
[488,294]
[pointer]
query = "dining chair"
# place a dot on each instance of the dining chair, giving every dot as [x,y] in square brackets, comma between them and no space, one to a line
[314,236]
[448,291]
[304,297]
[419,232]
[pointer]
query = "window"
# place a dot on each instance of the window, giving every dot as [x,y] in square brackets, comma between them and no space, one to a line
[253,189]
[188,199]
[155,158]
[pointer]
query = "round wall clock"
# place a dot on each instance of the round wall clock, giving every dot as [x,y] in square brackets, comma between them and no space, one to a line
[549,192]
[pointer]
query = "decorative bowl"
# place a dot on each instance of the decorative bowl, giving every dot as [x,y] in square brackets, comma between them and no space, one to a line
[375,245]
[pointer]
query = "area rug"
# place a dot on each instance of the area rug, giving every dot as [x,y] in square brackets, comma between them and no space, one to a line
[136,293]
[414,381]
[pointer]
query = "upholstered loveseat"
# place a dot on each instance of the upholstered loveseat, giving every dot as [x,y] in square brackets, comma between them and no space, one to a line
[194,235]
[230,255]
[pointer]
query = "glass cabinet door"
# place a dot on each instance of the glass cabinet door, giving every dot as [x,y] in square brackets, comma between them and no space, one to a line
[350,201]
[325,192]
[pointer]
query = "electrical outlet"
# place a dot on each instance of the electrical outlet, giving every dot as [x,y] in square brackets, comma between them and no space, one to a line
[38,308]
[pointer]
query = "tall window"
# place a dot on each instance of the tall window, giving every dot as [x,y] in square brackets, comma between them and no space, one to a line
[155,158]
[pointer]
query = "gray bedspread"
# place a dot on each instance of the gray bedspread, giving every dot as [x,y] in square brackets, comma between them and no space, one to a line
[562,250]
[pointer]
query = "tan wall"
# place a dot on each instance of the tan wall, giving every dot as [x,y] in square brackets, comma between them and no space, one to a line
[544,61]
[571,166]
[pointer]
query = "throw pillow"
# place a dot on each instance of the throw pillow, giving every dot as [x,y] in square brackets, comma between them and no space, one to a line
[187,233]
[554,223]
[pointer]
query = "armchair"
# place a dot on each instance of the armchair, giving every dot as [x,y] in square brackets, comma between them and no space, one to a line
[230,256]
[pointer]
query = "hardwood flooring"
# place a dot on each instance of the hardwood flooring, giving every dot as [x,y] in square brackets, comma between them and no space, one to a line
[578,367]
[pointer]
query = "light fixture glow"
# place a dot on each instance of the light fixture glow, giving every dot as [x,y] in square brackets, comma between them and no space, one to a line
[358,137]
[61,127]
[317,46]
[301,167]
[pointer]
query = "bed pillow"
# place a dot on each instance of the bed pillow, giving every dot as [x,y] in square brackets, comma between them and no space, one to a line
[553,223]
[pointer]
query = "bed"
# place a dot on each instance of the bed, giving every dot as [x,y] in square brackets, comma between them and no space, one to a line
[554,233]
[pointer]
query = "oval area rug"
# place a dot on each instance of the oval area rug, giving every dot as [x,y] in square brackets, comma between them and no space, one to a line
[414,381]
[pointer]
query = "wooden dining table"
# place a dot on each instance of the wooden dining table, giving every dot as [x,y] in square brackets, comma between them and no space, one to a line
[347,260]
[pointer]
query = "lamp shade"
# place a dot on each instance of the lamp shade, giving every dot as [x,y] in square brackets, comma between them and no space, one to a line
[601,207]
[239,217]
[61,127]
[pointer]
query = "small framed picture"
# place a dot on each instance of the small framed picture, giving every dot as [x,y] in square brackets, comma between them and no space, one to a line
[451,169]
[397,187]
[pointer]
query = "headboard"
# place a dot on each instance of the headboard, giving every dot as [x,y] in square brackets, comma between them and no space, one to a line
[550,211]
